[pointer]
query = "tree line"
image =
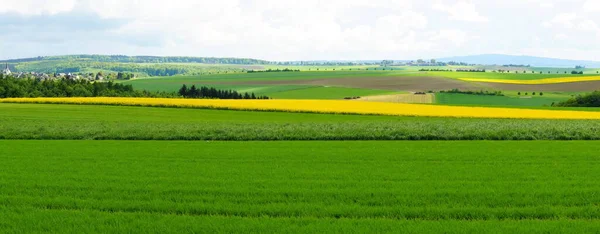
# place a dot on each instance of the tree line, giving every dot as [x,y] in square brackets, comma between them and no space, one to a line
[274,70]
[470,70]
[211,92]
[436,70]
[587,100]
[11,87]
[480,92]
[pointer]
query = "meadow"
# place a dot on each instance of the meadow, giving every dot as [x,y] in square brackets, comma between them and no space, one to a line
[242,187]
[509,100]
[91,122]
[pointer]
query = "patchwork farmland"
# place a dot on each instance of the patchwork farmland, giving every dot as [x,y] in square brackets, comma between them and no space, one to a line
[342,149]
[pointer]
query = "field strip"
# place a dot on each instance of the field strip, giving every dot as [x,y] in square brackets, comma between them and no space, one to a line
[400,98]
[538,81]
[228,214]
[325,106]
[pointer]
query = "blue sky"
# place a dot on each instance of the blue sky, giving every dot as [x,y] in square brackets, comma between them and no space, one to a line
[301,30]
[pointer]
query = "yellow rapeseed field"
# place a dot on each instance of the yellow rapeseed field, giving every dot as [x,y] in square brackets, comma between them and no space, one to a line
[538,81]
[327,106]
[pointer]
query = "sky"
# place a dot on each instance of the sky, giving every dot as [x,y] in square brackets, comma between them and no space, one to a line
[286,30]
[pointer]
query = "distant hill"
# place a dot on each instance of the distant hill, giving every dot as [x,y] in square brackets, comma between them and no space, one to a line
[499,59]
[138,65]
[141,59]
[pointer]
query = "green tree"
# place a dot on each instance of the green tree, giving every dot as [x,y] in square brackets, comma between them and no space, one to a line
[183,91]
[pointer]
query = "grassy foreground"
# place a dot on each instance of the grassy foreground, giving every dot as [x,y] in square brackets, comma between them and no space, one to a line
[50,121]
[360,187]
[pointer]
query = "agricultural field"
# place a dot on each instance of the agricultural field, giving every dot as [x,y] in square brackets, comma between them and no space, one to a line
[326,92]
[508,100]
[324,107]
[306,161]
[401,98]
[362,83]
[93,122]
[357,187]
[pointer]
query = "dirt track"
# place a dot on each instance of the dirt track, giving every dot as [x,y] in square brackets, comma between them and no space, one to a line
[425,83]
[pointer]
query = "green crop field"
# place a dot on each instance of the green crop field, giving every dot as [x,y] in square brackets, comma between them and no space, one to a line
[47,121]
[482,100]
[252,187]
[327,93]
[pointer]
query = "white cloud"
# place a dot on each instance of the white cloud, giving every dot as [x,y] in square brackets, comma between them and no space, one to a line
[561,36]
[547,5]
[457,37]
[566,20]
[36,7]
[297,29]
[572,21]
[587,25]
[591,6]
[461,11]
[278,29]
[547,25]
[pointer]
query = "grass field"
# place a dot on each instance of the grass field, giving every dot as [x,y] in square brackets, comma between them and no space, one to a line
[244,187]
[45,121]
[481,100]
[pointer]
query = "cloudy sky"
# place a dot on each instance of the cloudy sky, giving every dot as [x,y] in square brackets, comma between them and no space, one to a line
[301,29]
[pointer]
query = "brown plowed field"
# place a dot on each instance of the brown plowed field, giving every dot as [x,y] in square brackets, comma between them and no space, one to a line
[401,98]
[425,83]
[385,83]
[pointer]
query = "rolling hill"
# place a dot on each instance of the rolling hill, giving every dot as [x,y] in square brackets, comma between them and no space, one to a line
[499,59]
